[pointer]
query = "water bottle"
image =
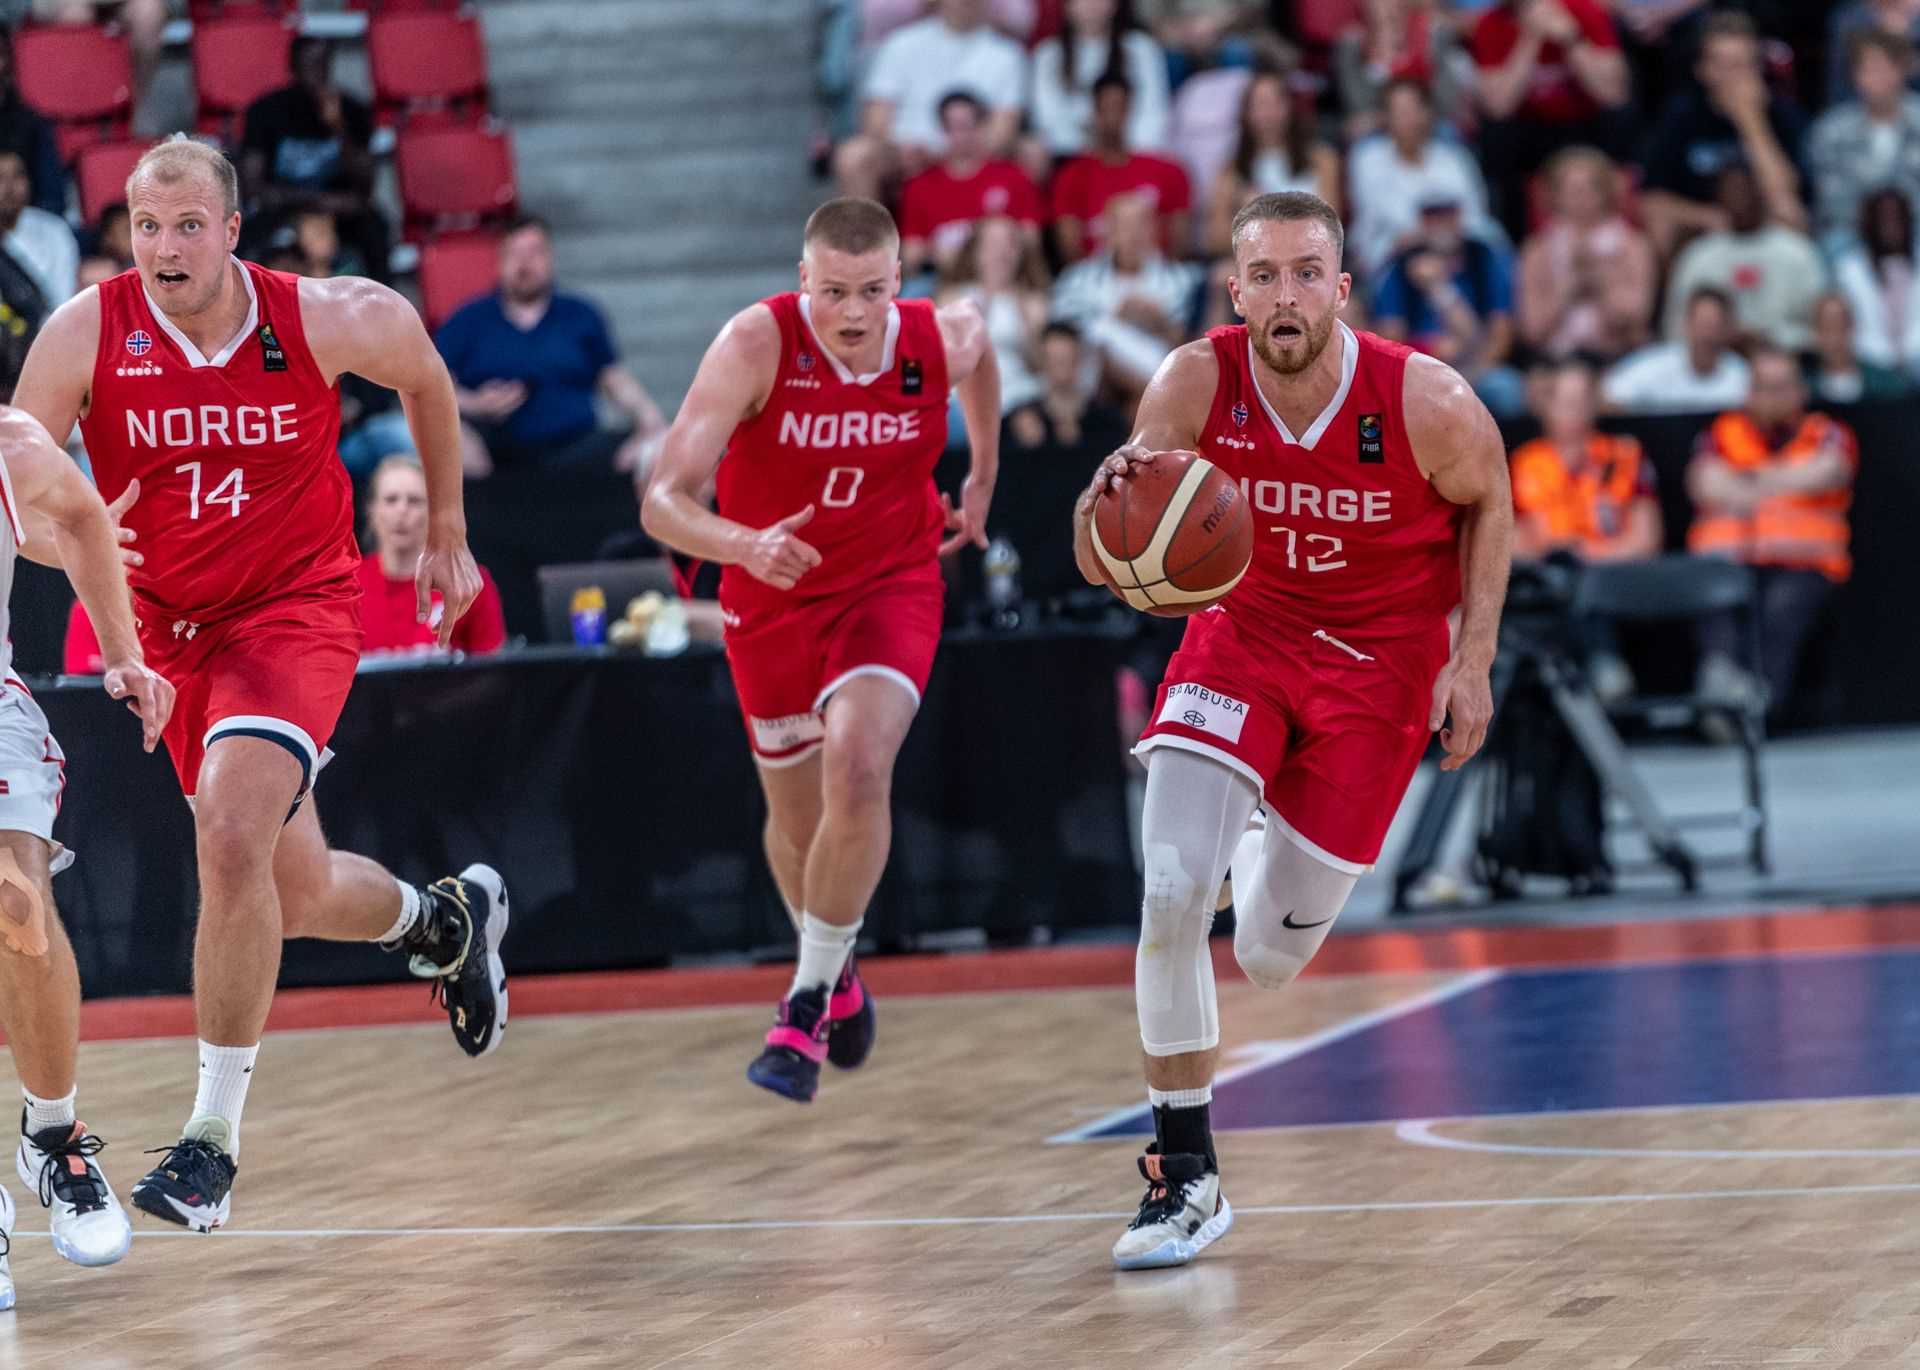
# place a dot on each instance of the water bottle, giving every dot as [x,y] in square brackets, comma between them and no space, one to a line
[1002,568]
[588,611]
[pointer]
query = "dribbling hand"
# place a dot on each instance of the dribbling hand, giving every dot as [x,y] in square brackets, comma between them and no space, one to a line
[147,693]
[778,557]
[1111,474]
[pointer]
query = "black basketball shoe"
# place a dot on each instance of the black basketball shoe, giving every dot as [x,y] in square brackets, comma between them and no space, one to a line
[796,1045]
[850,1019]
[456,944]
[193,1186]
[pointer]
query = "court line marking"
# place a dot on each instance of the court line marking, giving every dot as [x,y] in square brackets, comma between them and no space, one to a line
[1022,1219]
[1420,1133]
[1301,1046]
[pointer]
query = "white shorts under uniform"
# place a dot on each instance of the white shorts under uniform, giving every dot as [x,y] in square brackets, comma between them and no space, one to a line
[33,770]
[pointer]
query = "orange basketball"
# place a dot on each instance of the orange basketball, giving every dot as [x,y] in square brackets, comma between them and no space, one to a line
[1176,536]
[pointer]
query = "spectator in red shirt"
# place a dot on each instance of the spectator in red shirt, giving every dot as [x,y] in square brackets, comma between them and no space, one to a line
[940,206]
[397,530]
[1552,74]
[1112,168]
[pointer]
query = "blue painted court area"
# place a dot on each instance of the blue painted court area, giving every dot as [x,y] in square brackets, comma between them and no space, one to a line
[1734,1031]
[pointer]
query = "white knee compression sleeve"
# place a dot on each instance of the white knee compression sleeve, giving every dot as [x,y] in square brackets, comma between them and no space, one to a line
[1196,811]
[1285,913]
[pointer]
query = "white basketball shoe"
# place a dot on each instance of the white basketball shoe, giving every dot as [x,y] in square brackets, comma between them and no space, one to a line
[1182,1213]
[89,1225]
[6,1249]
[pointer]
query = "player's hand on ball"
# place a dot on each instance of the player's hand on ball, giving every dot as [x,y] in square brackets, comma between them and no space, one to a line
[1109,475]
[1464,692]
[446,566]
[128,557]
[147,693]
[968,523]
[778,556]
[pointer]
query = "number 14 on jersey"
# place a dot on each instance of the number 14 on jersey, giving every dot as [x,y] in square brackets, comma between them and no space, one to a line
[231,491]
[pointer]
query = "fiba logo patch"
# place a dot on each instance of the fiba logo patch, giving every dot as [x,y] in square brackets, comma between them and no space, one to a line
[1370,449]
[1239,412]
[139,343]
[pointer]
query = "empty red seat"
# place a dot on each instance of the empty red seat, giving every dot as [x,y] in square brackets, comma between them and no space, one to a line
[236,60]
[102,172]
[455,177]
[79,77]
[431,61]
[455,269]
[202,10]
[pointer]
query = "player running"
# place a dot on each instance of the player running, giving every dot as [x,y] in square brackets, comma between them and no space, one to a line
[821,415]
[1368,618]
[206,388]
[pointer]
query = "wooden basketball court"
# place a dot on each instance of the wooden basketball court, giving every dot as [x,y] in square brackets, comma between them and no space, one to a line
[1653,1145]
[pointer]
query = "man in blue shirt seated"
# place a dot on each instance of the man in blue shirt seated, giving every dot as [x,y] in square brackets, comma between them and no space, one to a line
[527,363]
[1450,295]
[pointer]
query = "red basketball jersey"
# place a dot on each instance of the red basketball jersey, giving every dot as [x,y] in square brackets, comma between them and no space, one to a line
[860,449]
[1347,531]
[242,495]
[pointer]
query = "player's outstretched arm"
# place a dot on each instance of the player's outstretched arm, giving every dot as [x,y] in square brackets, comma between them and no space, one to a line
[1170,417]
[68,510]
[975,373]
[53,389]
[354,324]
[1459,447]
[733,382]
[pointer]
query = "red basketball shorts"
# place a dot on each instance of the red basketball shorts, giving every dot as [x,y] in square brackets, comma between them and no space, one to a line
[1330,726]
[788,663]
[280,671]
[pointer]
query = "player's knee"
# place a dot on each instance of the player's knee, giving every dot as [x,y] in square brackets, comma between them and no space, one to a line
[1172,893]
[1269,967]
[856,777]
[232,844]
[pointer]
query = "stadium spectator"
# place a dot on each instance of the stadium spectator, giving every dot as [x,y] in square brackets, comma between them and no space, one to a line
[940,206]
[527,362]
[1658,36]
[1587,277]
[1066,416]
[1450,295]
[1693,375]
[307,147]
[1391,174]
[1085,185]
[40,242]
[916,67]
[1771,486]
[396,536]
[1868,142]
[1726,115]
[109,246]
[27,133]
[1771,272]
[1580,491]
[1835,372]
[1877,277]
[1131,302]
[1201,33]
[1898,18]
[143,21]
[1277,149]
[1100,38]
[1002,270]
[1397,40]
[1551,74]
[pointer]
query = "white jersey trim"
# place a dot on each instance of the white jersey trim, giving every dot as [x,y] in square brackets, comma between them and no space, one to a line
[1349,364]
[1314,849]
[195,358]
[265,723]
[840,367]
[898,677]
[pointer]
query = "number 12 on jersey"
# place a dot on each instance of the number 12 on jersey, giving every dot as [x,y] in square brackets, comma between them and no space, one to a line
[231,491]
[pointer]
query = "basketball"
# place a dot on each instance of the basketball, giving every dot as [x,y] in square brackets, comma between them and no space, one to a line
[1175,538]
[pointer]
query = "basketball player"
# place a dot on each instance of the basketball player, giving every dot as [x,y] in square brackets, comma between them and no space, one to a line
[39,983]
[821,414]
[1368,617]
[205,387]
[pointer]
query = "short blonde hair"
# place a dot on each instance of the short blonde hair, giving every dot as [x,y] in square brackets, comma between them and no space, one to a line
[179,157]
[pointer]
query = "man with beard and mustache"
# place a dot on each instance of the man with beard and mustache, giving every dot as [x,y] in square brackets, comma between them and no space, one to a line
[1369,616]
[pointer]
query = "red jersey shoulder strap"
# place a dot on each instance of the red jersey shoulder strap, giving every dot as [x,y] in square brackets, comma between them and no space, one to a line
[1231,403]
[278,294]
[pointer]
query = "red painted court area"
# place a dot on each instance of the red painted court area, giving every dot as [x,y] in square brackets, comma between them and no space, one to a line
[1079,967]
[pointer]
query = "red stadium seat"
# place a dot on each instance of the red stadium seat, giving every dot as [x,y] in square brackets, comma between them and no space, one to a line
[453,178]
[236,60]
[404,6]
[79,77]
[1320,22]
[102,172]
[200,11]
[427,61]
[453,270]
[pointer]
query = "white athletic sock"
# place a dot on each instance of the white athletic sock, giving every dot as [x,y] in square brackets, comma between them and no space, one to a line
[225,1073]
[1180,1098]
[409,914]
[45,1113]
[824,948]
